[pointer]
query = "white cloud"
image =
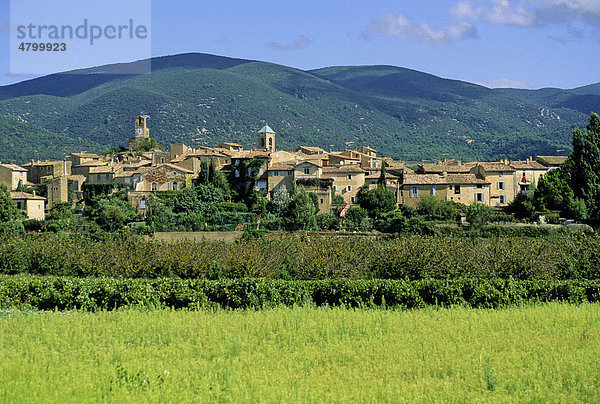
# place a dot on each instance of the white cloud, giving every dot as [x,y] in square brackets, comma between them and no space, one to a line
[399,26]
[299,43]
[462,30]
[501,13]
[502,83]
[529,13]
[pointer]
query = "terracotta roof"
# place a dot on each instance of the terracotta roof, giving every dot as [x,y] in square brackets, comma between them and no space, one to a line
[450,167]
[282,166]
[44,163]
[13,167]
[95,163]
[311,148]
[551,160]
[24,195]
[341,156]
[106,169]
[231,144]
[343,169]
[76,177]
[527,165]
[494,166]
[245,154]
[423,179]
[85,154]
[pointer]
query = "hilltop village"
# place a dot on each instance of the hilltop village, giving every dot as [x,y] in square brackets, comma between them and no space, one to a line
[334,176]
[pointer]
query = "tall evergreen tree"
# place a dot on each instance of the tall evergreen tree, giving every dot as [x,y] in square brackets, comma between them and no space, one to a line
[381,181]
[591,165]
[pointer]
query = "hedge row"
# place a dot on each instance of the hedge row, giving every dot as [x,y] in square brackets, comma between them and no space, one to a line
[66,293]
[298,257]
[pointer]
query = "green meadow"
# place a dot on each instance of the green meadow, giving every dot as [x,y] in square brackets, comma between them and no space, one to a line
[532,353]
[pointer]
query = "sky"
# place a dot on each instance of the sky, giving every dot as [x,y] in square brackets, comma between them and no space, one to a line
[496,43]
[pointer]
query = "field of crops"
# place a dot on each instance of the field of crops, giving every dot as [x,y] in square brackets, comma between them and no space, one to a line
[541,353]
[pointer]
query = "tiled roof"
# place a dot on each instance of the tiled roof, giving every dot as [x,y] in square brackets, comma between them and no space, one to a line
[44,163]
[312,148]
[446,167]
[266,129]
[551,160]
[527,165]
[76,177]
[105,169]
[341,156]
[282,166]
[24,195]
[343,169]
[494,166]
[13,167]
[424,179]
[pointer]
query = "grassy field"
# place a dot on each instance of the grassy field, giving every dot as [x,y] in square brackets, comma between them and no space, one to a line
[542,353]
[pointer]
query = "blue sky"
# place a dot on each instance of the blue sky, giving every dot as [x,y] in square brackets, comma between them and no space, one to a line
[497,43]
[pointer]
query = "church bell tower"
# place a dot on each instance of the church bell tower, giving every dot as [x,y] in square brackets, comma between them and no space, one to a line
[266,138]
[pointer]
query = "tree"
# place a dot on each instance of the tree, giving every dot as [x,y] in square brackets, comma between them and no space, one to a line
[8,207]
[354,218]
[376,201]
[381,182]
[574,188]
[281,199]
[61,211]
[302,211]
[478,214]
[433,208]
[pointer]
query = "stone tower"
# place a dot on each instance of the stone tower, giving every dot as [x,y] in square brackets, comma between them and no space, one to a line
[142,133]
[266,138]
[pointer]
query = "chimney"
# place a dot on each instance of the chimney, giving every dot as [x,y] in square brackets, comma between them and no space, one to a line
[34,193]
[64,168]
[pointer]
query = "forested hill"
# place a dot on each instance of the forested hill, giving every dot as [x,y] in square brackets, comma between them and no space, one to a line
[202,99]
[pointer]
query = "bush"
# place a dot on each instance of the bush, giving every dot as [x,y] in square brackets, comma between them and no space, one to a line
[64,293]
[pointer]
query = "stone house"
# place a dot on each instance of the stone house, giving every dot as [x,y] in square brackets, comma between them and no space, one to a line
[11,175]
[32,204]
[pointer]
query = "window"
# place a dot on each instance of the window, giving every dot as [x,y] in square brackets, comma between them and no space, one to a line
[127,180]
[433,191]
[349,176]
[414,192]
[261,171]
[500,174]
[349,188]
[107,177]
[353,199]
[500,185]
[143,204]
[479,197]
[98,178]
[174,173]
[479,186]
[176,186]
[307,171]
[249,171]
[457,189]
[322,201]
[154,186]
[502,199]
[290,173]
[237,173]
[275,174]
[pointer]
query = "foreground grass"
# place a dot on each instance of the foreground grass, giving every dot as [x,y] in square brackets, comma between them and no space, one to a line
[545,353]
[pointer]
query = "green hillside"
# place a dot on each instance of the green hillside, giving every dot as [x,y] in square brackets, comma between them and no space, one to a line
[204,99]
[21,141]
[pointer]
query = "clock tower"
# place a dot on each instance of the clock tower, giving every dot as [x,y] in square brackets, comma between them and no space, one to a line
[141,128]
[142,133]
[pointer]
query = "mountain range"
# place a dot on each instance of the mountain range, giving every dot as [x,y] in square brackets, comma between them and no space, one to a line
[202,99]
